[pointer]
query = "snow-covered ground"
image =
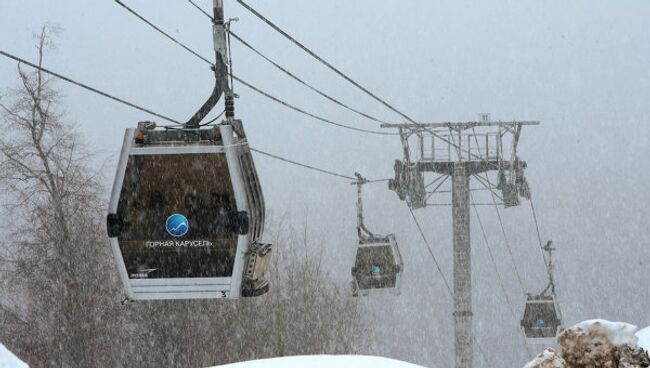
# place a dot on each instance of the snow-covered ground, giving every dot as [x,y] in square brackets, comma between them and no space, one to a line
[597,343]
[644,338]
[9,360]
[618,333]
[324,361]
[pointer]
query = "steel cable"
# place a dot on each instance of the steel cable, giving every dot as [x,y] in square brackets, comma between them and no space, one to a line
[263,93]
[301,81]
[444,279]
[322,61]
[132,105]
[499,277]
[82,85]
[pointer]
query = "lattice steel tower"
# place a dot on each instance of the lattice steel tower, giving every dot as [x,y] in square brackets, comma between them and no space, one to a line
[459,150]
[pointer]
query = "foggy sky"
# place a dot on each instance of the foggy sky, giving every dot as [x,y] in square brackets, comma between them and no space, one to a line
[580,67]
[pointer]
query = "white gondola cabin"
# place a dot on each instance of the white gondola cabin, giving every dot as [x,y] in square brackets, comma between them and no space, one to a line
[186,214]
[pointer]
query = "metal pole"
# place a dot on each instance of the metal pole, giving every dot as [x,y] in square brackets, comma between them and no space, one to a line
[217,11]
[462,267]
[220,66]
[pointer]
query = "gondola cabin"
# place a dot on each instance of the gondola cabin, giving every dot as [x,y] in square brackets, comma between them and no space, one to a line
[186,214]
[378,266]
[541,318]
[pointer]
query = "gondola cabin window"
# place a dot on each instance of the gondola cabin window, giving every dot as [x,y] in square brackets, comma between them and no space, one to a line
[195,191]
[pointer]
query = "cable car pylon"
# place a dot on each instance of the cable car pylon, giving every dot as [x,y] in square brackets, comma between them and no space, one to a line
[186,214]
[378,263]
[460,150]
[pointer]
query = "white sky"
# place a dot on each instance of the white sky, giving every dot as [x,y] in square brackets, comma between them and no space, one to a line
[580,67]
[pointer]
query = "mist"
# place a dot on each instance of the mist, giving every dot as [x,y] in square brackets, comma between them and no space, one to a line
[581,68]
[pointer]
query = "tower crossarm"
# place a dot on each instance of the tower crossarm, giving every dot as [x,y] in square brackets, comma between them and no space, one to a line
[461,125]
[471,167]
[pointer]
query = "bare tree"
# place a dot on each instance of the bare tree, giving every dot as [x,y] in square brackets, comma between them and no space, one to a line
[54,259]
[60,300]
[303,313]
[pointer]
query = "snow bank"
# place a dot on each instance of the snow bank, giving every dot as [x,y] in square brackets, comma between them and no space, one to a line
[9,360]
[324,361]
[596,343]
[644,338]
[547,359]
[618,333]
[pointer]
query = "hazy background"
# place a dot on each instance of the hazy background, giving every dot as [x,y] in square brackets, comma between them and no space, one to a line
[581,68]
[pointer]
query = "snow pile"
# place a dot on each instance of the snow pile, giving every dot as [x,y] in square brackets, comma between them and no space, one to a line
[324,361]
[548,358]
[618,333]
[644,338]
[9,360]
[595,343]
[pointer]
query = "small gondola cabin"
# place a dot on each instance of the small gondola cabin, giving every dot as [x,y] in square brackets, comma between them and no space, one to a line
[377,267]
[541,318]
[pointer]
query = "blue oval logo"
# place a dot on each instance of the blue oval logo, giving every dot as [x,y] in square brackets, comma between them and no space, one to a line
[177,225]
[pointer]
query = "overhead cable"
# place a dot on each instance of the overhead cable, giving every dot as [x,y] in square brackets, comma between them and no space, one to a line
[433,256]
[444,279]
[539,238]
[104,94]
[287,72]
[344,76]
[94,90]
[163,32]
[263,93]
[322,61]
[300,110]
[494,196]
[499,277]
[301,81]
[303,165]
[201,10]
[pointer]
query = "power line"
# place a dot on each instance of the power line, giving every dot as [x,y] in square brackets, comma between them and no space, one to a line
[378,180]
[201,10]
[480,349]
[499,277]
[435,260]
[300,110]
[314,167]
[132,105]
[489,186]
[263,93]
[337,71]
[322,61]
[301,81]
[94,90]
[493,195]
[444,279]
[287,72]
[539,237]
[163,32]
[313,54]
[273,98]
[505,238]
[303,165]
